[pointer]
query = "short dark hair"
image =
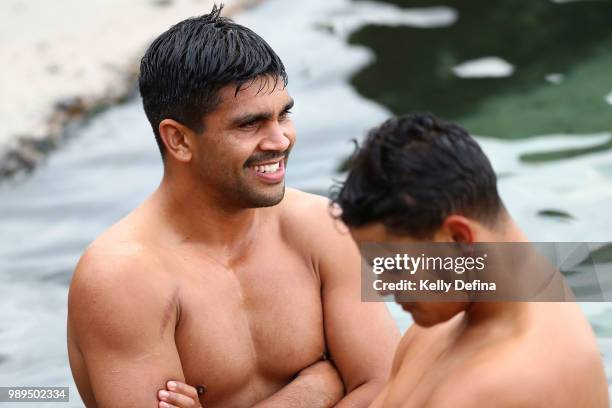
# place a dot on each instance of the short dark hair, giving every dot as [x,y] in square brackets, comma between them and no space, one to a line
[412,172]
[184,68]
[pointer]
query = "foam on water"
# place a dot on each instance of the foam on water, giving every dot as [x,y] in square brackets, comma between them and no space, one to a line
[485,67]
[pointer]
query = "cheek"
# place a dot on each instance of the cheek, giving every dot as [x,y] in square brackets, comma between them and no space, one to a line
[289,132]
[235,153]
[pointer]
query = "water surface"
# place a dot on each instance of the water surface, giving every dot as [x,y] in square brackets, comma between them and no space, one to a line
[110,165]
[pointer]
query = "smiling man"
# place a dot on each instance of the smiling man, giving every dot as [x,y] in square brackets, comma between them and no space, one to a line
[221,278]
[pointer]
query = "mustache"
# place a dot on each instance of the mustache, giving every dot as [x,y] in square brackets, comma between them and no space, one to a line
[257,158]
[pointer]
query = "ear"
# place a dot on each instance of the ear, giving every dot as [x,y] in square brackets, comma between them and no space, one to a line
[459,229]
[176,139]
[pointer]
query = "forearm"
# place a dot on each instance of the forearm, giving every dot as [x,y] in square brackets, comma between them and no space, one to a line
[318,386]
[362,396]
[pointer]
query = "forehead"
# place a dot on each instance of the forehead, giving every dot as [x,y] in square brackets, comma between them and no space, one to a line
[261,93]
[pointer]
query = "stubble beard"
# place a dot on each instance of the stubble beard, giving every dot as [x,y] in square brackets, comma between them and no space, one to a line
[252,198]
[241,193]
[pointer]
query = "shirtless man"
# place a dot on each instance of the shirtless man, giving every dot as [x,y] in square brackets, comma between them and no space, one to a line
[418,179]
[219,278]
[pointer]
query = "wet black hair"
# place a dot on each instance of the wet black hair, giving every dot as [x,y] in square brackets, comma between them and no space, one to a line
[184,68]
[412,172]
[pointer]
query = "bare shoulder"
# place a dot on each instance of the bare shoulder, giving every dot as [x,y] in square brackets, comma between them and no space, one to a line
[121,254]
[104,263]
[307,224]
[521,376]
[482,383]
[117,281]
[306,204]
[310,215]
[115,257]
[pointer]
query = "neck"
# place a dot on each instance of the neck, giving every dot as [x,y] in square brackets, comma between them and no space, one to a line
[197,215]
[482,312]
[510,231]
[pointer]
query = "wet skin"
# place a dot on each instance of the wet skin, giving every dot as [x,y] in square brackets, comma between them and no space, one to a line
[502,354]
[221,278]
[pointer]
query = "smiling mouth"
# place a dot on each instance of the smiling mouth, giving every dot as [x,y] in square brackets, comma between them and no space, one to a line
[267,168]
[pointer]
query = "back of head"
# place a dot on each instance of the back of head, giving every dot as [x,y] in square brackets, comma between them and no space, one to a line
[415,170]
[185,67]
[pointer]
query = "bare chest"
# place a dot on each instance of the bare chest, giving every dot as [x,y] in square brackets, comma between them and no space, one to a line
[244,332]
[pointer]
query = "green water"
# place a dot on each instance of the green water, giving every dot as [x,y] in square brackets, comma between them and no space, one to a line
[558,188]
[412,70]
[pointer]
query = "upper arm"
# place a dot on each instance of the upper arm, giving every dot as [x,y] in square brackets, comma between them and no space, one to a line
[361,336]
[122,323]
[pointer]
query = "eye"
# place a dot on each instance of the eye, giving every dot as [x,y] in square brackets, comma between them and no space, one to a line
[285,115]
[250,124]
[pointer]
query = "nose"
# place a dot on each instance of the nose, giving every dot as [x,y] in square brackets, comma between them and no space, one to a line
[277,139]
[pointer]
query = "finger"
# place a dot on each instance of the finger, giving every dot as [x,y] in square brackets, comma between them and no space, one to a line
[163,404]
[182,388]
[178,400]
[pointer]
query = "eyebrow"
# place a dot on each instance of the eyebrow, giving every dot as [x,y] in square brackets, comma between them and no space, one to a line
[257,117]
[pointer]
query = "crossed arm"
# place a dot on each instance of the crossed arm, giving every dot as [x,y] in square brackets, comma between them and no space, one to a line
[121,352]
[361,336]
[122,358]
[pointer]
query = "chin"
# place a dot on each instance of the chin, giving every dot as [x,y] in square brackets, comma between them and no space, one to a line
[267,197]
[425,321]
[423,316]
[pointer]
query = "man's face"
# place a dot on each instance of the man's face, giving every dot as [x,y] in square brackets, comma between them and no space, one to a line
[242,152]
[425,314]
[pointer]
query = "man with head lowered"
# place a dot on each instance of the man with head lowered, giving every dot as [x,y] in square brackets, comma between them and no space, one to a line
[221,278]
[418,179]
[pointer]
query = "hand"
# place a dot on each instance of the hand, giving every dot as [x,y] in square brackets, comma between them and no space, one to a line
[179,395]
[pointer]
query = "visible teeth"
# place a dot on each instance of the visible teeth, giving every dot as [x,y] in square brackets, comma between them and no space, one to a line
[268,168]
